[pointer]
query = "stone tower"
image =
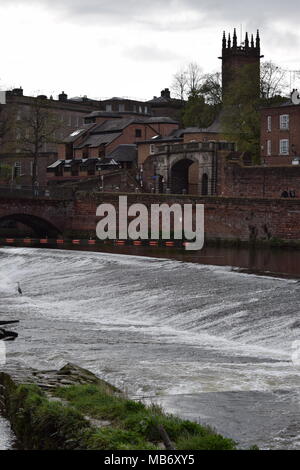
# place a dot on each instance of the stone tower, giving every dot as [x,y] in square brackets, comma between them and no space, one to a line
[235,57]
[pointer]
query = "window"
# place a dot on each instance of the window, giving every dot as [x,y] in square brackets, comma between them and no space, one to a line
[108,108]
[284,121]
[152,149]
[17,169]
[121,108]
[269,123]
[269,147]
[138,132]
[284,147]
[31,168]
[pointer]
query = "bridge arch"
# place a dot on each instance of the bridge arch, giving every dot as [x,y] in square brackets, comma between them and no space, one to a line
[41,227]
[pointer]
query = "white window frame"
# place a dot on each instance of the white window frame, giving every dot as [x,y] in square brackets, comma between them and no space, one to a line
[17,169]
[269,123]
[284,147]
[269,147]
[152,149]
[284,121]
[108,108]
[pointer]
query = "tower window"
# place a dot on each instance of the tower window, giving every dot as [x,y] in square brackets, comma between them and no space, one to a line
[284,121]
[284,146]
[269,147]
[269,123]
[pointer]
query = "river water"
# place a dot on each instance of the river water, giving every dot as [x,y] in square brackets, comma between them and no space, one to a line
[206,342]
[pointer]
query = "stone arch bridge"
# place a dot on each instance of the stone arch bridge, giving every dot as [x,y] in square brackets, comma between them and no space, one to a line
[225,218]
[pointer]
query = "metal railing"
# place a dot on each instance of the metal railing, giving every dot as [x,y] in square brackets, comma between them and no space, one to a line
[41,192]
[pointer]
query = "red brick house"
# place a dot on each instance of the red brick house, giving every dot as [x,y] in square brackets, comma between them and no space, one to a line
[280,134]
[102,142]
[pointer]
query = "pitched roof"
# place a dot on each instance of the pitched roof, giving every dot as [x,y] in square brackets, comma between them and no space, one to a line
[94,140]
[124,153]
[77,133]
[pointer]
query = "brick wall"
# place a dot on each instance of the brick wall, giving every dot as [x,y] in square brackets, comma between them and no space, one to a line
[225,218]
[239,181]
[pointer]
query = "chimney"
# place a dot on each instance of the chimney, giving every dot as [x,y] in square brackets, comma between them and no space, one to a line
[166,93]
[17,91]
[62,96]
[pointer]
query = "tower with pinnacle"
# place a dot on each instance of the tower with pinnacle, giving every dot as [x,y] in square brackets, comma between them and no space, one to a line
[235,57]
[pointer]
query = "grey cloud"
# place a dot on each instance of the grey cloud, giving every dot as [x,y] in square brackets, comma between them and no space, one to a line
[151,54]
[135,10]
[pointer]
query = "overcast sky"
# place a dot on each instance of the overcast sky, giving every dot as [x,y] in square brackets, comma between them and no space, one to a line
[104,48]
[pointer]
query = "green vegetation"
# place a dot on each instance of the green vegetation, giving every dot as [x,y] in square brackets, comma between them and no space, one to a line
[132,425]
[43,424]
[96,417]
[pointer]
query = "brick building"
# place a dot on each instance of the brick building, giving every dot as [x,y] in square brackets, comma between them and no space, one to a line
[280,134]
[105,140]
[70,114]
[15,107]
[165,105]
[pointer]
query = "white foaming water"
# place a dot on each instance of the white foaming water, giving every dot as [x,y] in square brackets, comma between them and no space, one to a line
[155,327]
[6,435]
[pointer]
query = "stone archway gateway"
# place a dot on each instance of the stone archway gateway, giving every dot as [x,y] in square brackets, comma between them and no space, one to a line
[182,168]
[180,176]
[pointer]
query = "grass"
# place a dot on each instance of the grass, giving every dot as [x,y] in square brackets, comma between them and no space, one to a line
[134,425]
[97,417]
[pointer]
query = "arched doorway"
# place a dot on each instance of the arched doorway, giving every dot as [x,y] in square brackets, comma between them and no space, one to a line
[204,185]
[184,177]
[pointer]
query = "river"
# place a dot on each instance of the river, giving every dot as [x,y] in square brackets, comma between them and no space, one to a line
[206,342]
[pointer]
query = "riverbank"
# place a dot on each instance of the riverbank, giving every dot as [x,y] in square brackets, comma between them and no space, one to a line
[72,409]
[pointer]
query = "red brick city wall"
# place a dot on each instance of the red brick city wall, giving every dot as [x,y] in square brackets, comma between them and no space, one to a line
[225,218]
[238,181]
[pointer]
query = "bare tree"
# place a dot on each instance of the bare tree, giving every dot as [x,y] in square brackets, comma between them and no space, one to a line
[179,85]
[194,77]
[187,81]
[34,130]
[273,80]
[7,122]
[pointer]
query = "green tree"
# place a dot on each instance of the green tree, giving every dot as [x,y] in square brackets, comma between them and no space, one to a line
[197,113]
[211,88]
